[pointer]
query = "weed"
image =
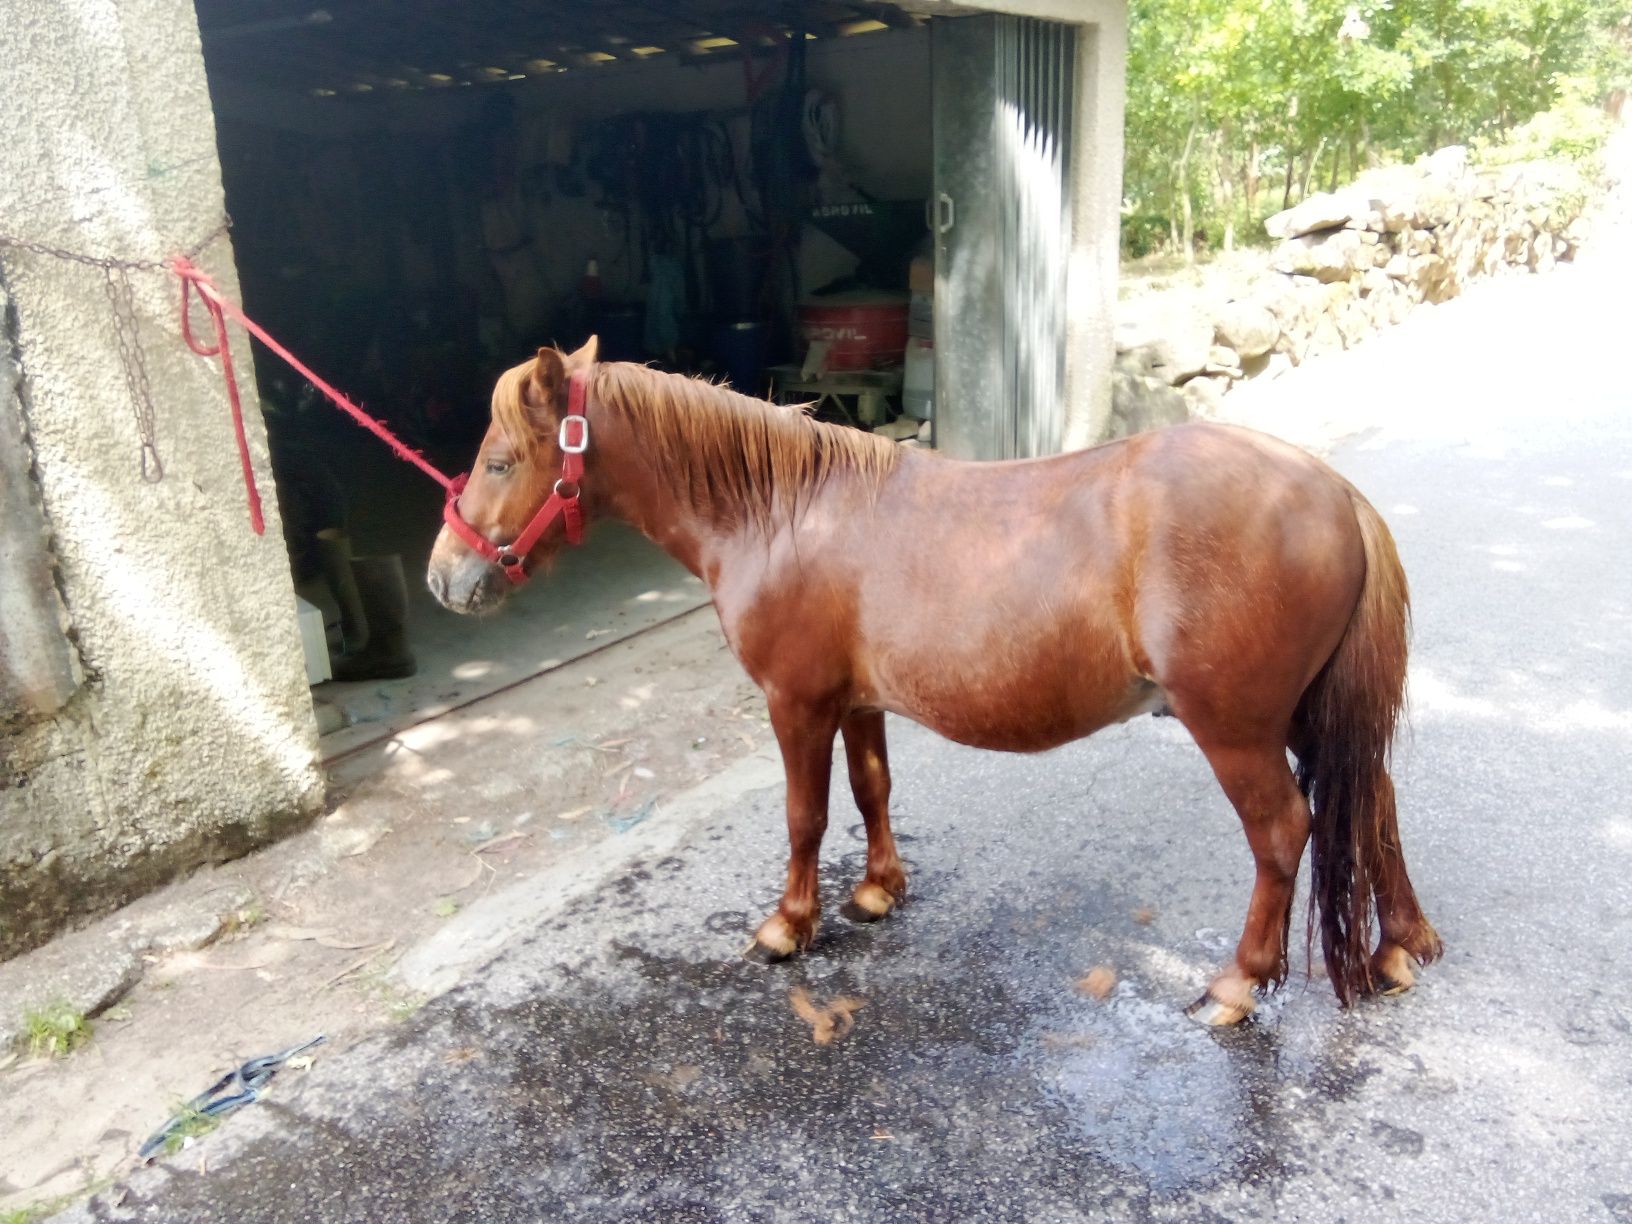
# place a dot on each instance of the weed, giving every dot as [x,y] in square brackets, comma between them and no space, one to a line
[189,1124]
[447,907]
[241,920]
[54,1030]
[47,1208]
[399,1004]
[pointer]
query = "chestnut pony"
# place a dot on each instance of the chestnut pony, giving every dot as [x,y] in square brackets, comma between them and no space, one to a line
[1220,574]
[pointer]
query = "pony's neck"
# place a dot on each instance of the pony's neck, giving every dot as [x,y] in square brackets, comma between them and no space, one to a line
[699,468]
[632,482]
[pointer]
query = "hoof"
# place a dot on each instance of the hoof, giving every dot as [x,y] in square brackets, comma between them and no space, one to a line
[764,954]
[856,913]
[869,903]
[1215,1013]
[1391,970]
[776,940]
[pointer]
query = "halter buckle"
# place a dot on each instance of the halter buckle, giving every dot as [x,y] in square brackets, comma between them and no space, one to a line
[569,447]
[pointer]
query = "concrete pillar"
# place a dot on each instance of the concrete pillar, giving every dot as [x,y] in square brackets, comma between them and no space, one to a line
[1097,191]
[191,736]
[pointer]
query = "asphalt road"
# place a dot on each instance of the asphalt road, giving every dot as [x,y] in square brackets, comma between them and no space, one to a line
[617,1061]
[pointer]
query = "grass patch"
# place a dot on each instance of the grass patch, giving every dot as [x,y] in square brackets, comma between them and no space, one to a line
[398,1003]
[189,1124]
[245,919]
[54,1031]
[47,1208]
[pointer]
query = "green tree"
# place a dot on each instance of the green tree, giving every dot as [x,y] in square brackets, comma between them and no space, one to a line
[1226,95]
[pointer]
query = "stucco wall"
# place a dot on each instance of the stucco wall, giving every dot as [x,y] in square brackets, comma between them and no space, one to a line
[191,737]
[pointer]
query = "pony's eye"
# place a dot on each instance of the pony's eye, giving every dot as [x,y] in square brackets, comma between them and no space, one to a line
[498,467]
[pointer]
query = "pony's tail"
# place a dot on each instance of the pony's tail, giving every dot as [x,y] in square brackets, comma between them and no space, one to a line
[1343,734]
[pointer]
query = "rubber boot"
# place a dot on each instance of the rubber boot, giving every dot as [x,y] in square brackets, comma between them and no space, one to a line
[334,556]
[384,595]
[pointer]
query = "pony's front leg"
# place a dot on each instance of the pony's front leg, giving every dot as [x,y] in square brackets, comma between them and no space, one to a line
[869,762]
[805,735]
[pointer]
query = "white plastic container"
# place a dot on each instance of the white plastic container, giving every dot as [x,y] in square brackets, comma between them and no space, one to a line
[312,642]
[918,382]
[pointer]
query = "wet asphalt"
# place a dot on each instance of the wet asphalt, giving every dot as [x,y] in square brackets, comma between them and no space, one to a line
[619,1061]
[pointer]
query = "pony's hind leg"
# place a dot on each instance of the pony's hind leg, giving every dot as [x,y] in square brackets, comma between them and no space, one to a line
[885,881]
[1275,816]
[805,736]
[1406,938]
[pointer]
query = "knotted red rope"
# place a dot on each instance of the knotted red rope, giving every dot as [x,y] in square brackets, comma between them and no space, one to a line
[219,307]
[563,499]
[212,303]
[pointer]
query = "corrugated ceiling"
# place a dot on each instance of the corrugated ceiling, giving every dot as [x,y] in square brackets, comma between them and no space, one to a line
[341,47]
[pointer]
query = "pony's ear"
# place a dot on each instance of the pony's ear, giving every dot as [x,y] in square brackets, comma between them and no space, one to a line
[585,356]
[542,386]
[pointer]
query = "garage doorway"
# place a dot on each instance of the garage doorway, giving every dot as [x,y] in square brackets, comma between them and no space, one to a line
[420,199]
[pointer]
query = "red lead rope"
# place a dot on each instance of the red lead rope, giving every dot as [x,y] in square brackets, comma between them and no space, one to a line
[562,502]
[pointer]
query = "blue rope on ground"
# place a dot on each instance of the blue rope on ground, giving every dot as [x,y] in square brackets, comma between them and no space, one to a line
[241,1087]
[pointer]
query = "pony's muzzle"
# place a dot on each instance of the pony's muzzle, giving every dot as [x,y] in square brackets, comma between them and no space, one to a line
[463,582]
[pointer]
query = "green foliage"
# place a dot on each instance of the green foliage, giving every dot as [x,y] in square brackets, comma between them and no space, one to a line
[54,1031]
[189,1123]
[1572,131]
[1237,108]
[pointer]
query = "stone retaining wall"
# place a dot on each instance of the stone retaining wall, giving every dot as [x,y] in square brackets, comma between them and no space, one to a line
[1349,263]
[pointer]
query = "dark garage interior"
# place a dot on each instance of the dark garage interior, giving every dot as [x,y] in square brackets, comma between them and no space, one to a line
[422,196]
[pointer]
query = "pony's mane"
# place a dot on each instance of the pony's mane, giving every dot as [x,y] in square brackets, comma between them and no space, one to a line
[727,454]
[510,410]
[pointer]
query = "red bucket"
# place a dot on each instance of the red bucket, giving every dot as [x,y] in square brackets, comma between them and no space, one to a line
[862,332]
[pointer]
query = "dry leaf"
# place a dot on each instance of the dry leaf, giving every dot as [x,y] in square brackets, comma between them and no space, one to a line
[367,840]
[827,1023]
[1067,1041]
[345,945]
[1099,983]
[494,842]
[260,962]
[279,931]
[677,1079]
[478,869]
[377,950]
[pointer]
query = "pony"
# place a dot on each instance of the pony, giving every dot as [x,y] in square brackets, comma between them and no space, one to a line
[1203,571]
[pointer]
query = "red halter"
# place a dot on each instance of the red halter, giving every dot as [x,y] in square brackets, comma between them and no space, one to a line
[562,502]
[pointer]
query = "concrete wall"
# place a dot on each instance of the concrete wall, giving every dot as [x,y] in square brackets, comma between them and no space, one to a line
[191,737]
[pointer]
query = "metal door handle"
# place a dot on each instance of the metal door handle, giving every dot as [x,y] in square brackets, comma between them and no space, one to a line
[947,213]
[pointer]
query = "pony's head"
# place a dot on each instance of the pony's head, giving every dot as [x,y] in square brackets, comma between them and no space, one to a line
[513,475]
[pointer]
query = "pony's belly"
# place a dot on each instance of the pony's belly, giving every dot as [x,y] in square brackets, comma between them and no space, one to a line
[1011,717]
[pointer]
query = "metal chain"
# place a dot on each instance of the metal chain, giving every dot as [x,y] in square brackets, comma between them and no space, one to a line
[122,302]
[79,257]
[126,335]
